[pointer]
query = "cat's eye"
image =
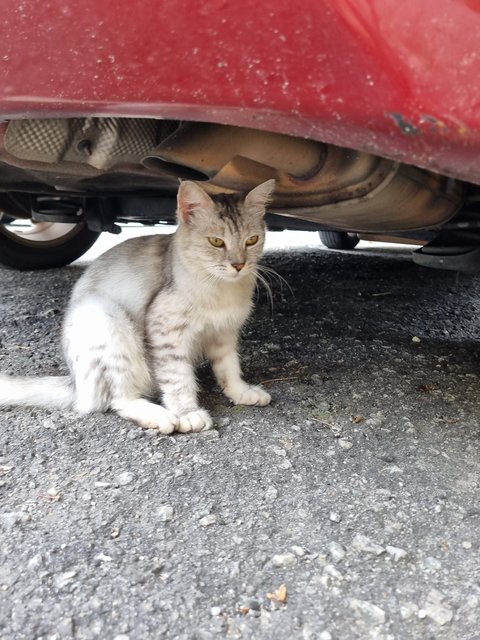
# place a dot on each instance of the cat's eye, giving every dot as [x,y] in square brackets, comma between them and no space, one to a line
[251,241]
[216,242]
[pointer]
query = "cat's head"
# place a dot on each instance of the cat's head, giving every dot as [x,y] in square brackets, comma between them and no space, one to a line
[223,234]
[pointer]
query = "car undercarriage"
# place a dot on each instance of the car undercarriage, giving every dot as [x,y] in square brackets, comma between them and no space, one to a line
[73,178]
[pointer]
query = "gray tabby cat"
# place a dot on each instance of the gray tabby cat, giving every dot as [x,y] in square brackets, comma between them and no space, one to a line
[143,313]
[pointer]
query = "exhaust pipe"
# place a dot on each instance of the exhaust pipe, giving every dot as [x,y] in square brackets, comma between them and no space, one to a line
[201,151]
[317,182]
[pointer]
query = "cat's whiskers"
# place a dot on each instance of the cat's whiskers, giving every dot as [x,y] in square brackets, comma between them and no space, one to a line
[266,275]
[208,277]
[266,284]
[268,271]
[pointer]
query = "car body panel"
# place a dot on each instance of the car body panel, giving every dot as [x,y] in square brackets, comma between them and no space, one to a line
[396,79]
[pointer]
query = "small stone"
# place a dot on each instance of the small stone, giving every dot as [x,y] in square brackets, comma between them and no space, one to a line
[166,512]
[416,339]
[115,533]
[101,557]
[332,571]
[208,520]
[102,485]
[325,635]
[386,457]
[134,434]
[216,611]
[362,543]
[285,464]
[35,562]
[466,544]
[199,459]
[396,553]
[408,610]
[334,517]
[271,494]
[368,610]
[336,551]
[279,595]
[125,478]
[63,579]
[308,632]
[299,551]
[10,519]
[432,564]
[121,636]
[345,444]
[394,469]
[253,605]
[278,451]
[48,423]
[436,609]
[284,559]
[65,628]
[211,434]
[49,313]
[321,558]
[95,604]
[376,419]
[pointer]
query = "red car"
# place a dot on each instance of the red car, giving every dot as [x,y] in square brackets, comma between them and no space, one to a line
[364,111]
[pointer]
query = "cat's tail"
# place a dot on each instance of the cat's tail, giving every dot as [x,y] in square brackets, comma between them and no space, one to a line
[55,392]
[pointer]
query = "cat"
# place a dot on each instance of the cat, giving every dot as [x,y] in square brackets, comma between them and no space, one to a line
[146,311]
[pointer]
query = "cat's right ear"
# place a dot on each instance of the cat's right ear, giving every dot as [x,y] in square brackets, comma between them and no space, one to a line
[259,197]
[190,199]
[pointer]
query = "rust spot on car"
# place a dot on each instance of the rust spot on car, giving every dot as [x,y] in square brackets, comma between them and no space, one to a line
[407,128]
[435,124]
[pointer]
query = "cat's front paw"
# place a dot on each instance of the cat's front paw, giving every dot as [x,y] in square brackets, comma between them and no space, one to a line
[157,418]
[195,421]
[253,395]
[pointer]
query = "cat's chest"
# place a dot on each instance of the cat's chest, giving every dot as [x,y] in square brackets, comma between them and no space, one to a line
[223,304]
[203,312]
[219,314]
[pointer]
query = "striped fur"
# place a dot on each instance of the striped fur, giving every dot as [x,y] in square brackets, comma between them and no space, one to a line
[142,315]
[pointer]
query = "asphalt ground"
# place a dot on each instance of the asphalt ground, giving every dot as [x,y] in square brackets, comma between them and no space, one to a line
[348,508]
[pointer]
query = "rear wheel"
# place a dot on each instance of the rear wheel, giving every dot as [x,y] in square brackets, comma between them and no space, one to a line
[339,239]
[26,245]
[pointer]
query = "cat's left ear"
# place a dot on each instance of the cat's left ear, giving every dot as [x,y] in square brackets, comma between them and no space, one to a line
[191,198]
[258,198]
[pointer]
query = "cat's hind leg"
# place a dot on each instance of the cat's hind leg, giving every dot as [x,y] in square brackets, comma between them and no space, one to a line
[105,351]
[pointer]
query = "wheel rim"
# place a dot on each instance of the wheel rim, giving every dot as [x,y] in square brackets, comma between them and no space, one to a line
[40,235]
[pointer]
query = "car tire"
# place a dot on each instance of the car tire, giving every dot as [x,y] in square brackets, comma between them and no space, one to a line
[45,245]
[339,239]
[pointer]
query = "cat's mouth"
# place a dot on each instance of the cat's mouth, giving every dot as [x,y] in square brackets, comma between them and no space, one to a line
[230,273]
[233,275]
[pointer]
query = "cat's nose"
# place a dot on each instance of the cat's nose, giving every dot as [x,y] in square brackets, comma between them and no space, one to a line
[238,265]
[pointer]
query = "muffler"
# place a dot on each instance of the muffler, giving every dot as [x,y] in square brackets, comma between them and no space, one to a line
[208,148]
[321,183]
